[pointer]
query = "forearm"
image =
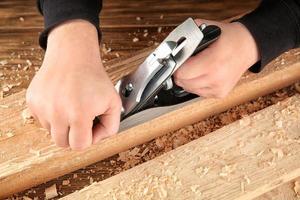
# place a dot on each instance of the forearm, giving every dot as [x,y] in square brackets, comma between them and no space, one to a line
[275,26]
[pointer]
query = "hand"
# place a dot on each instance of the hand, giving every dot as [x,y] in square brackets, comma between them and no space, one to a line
[215,71]
[72,87]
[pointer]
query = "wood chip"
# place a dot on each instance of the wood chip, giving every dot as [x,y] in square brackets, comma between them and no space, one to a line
[66,182]
[21,19]
[278,152]
[29,63]
[138,18]
[159,29]
[51,192]
[4,106]
[297,188]
[242,186]
[161,16]
[27,116]
[135,39]
[145,34]
[3,62]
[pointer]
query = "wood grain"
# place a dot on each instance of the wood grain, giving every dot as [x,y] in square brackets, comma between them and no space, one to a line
[23,165]
[240,161]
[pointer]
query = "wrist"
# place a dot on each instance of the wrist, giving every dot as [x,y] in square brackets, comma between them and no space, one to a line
[75,34]
[251,52]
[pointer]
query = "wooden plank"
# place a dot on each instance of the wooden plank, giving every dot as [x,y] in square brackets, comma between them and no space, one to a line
[283,192]
[36,151]
[240,161]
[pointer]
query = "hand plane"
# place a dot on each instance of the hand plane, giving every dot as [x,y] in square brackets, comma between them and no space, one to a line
[152,85]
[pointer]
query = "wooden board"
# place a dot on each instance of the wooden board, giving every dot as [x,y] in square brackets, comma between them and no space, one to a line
[283,192]
[36,151]
[240,161]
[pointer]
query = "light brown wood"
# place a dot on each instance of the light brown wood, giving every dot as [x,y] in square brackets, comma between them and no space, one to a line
[28,157]
[283,192]
[240,161]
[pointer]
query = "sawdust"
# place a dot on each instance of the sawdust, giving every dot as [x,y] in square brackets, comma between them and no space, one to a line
[145,152]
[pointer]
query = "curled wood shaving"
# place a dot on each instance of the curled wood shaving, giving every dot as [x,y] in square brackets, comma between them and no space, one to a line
[51,192]
[297,188]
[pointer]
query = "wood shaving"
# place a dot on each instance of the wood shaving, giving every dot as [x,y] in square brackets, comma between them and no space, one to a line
[3,62]
[29,63]
[10,134]
[242,186]
[297,188]
[247,179]
[145,34]
[4,106]
[117,55]
[135,39]
[51,192]
[159,29]
[66,182]
[138,18]
[195,189]
[279,153]
[21,19]
[27,116]
[161,16]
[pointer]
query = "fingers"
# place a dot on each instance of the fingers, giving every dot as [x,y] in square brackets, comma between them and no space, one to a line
[194,83]
[109,124]
[80,133]
[59,132]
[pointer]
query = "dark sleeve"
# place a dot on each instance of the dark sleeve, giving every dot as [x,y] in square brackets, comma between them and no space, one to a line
[275,26]
[56,12]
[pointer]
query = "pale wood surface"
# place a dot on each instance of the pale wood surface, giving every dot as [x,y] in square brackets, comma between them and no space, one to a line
[21,167]
[283,192]
[240,161]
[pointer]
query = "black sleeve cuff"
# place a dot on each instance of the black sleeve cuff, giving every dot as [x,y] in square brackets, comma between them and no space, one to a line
[275,26]
[58,11]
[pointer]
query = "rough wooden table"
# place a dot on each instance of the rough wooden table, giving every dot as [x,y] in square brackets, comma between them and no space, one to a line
[121,22]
